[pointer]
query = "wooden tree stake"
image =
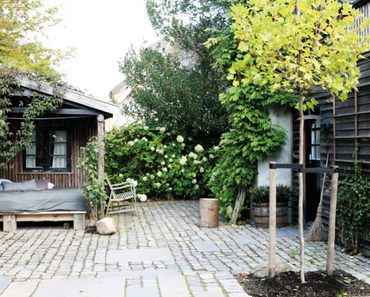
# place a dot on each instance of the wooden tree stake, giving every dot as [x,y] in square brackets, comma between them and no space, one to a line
[272,222]
[333,212]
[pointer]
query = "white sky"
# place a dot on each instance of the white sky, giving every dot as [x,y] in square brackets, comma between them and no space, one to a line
[102,31]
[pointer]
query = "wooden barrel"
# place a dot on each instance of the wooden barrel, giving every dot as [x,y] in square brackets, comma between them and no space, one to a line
[208,212]
[261,214]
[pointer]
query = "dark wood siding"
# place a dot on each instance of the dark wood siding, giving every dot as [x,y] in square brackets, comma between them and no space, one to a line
[343,124]
[81,129]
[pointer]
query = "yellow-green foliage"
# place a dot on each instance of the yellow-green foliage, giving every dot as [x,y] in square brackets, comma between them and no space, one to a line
[298,45]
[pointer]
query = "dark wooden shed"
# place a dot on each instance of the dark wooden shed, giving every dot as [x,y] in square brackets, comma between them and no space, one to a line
[58,137]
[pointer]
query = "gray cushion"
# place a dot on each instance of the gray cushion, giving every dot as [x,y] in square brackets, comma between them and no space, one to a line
[3,180]
[42,184]
[22,186]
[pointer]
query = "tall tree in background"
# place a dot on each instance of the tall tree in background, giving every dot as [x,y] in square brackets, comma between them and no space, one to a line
[299,53]
[168,91]
[24,25]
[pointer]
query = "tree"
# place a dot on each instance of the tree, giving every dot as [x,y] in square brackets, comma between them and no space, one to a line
[252,137]
[299,46]
[23,24]
[167,92]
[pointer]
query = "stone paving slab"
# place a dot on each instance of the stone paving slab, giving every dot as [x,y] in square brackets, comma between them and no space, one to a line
[138,255]
[4,282]
[205,246]
[173,286]
[113,287]
[142,292]
[20,289]
[141,273]
[246,239]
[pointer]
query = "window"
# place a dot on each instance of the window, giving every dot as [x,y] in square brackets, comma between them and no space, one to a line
[315,140]
[49,151]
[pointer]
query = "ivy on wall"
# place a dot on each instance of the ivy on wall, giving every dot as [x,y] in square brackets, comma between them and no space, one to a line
[12,142]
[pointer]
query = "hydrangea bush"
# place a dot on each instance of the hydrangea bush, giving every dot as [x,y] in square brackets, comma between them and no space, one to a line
[164,163]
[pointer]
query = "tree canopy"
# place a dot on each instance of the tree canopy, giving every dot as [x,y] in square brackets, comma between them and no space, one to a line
[24,25]
[166,90]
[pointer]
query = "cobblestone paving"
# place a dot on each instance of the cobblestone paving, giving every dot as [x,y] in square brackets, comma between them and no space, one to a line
[39,259]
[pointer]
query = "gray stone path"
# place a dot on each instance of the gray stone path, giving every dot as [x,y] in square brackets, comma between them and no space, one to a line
[162,252]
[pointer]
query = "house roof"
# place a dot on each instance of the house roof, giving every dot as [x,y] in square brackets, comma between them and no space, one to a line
[84,104]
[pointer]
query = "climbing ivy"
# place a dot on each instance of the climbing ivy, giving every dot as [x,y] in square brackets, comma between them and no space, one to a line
[353,207]
[12,142]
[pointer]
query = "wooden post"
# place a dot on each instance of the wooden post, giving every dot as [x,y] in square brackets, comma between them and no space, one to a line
[272,222]
[101,151]
[101,159]
[208,212]
[9,223]
[333,212]
[79,222]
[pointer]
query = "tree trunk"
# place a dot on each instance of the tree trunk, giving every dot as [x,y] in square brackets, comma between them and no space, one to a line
[238,205]
[300,174]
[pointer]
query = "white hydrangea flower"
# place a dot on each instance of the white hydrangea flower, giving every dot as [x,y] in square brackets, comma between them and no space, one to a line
[152,176]
[165,169]
[190,139]
[145,178]
[192,155]
[196,187]
[146,128]
[159,173]
[166,156]
[199,148]
[182,170]
[171,160]
[167,185]
[179,138]
[201,169]
[157,128]
[183,160]
[169,166]
[173,156]
[165,146]
[204,159]
[158,185]
[182,144]
[130,180]
[159,151]
[120,175]
[162,129]
[152,148]
[217,148]
[194,181]
[168,134]
[163,163]
[194,174]
[173,144]
[147,174]
[136,140]
[170,189]
[130,143]
[212,156]
[139,122]
[144,138]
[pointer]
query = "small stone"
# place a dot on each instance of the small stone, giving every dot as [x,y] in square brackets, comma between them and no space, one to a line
[262,269]
[106,226]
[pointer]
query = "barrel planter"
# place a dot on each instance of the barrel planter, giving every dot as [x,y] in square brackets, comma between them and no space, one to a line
[261,214]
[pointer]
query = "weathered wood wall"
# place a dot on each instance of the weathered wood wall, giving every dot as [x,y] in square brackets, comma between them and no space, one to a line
[343,124]
[81,129]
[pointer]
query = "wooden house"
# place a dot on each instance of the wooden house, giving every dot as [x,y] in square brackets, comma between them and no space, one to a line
[332,132]
[58,137]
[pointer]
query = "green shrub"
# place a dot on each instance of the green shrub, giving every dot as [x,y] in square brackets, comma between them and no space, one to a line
[164,163]
[261,194]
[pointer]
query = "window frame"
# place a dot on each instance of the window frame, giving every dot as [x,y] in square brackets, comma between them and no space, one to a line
[46,152]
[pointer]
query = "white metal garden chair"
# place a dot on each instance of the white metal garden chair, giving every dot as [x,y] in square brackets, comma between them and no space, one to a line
[122,197]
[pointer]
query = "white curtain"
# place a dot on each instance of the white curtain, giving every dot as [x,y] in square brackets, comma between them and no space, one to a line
[60,148]
[31,150]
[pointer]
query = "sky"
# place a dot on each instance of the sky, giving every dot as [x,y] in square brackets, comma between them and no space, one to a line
[102,31]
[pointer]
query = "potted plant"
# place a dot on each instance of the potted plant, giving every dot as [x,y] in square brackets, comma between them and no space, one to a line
[260,197]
